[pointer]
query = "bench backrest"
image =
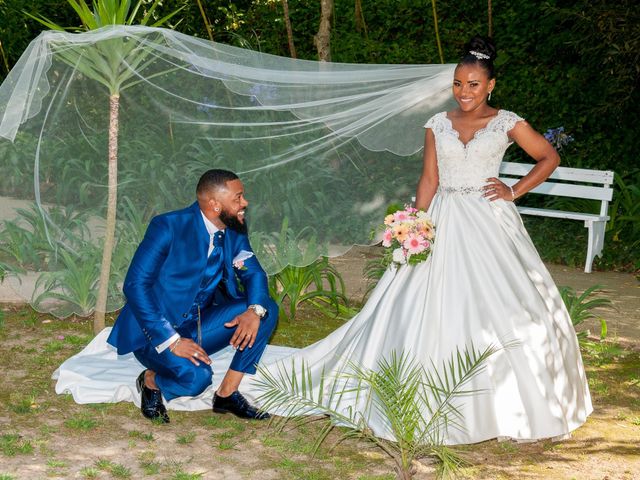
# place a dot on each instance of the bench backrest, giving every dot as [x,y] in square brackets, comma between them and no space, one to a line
[566,182]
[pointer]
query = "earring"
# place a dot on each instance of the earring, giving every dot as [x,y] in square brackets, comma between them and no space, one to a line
[489,96]
[217,209]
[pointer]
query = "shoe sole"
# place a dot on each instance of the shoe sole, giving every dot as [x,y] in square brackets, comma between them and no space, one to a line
[224,411]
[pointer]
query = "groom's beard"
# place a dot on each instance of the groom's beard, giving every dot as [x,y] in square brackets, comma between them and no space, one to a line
[232,222]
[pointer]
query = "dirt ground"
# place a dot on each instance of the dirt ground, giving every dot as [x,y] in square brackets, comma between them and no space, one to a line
[44,435]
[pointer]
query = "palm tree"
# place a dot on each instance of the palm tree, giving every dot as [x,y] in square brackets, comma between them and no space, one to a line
[419,404]
[111,63]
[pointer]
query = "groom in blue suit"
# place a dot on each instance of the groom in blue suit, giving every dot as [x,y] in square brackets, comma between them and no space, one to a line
[194,286]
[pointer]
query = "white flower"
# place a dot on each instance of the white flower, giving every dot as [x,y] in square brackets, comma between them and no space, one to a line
[398,256]
[422,215]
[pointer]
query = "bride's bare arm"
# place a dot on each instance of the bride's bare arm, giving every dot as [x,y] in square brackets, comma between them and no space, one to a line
[540,150]
[428,183]
[546,157]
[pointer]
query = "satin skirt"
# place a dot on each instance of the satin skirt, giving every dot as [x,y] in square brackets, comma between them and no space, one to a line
[483,285]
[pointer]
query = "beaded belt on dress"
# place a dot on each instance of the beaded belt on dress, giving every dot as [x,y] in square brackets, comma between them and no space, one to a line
[461,190]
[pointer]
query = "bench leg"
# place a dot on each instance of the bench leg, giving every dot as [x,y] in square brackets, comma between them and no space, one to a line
[596,241]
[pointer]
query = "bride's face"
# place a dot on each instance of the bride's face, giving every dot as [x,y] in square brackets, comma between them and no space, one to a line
[471,86]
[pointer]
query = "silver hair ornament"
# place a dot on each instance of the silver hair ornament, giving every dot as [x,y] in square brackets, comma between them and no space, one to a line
[479,55]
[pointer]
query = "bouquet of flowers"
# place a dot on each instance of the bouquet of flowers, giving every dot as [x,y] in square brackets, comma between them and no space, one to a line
[408,236]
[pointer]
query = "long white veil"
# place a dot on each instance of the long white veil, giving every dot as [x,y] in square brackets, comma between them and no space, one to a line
[322,148]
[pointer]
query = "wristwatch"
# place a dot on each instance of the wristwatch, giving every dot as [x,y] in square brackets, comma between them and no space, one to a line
[259,309]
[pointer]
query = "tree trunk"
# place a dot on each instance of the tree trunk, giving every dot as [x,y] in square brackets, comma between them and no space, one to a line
[5,60]
[110,226]
[322,40]
[361,25]
[287,22]
[205,19]
[435,24]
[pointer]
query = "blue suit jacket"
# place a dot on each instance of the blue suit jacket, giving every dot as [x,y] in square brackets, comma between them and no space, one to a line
[165,276]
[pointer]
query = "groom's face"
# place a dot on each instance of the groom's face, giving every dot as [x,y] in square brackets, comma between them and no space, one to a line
[233,206]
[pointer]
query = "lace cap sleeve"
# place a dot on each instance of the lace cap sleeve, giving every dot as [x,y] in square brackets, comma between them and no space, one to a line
[433,121]
[508,120]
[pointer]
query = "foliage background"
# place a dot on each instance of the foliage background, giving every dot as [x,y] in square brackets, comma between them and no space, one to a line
[571,63]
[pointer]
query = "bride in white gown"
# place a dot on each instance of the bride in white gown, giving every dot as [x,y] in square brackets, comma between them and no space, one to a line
[484,283]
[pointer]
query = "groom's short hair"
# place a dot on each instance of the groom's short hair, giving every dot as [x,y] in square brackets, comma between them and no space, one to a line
[214,179]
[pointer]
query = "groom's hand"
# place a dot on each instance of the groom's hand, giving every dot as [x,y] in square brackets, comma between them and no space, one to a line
[187,348]
[247,329]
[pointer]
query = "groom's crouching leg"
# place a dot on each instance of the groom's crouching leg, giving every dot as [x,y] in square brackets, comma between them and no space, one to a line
[244,361]
[188,380]
[174,377]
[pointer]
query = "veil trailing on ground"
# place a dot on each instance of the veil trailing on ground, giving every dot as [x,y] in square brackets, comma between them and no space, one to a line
[322,148]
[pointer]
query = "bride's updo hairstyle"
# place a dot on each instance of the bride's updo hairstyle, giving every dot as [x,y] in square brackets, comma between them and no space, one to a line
[482,51]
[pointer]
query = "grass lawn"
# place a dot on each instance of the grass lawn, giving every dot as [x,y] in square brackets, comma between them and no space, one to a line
[44,435]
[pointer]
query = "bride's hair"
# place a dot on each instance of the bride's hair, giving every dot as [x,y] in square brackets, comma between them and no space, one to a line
[482,51]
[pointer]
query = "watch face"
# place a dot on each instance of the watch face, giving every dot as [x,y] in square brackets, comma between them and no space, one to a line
[260,310]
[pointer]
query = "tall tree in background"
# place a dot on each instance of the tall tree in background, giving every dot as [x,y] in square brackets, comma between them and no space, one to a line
[435,25]
[489,18]
[110,64]
[361,25]
[287,22]
[5,60]
[205,19]
[322,40]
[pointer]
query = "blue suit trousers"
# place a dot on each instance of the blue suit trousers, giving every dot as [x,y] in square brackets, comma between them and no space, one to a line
[178,377]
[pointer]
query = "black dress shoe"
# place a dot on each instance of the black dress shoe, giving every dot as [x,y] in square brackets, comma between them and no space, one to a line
[151,401]
[238,405]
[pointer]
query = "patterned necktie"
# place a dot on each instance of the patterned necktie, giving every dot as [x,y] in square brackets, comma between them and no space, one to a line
[212,271]
[218,239]
[214,260]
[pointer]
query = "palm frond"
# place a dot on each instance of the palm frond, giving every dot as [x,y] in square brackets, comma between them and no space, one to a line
[417,404]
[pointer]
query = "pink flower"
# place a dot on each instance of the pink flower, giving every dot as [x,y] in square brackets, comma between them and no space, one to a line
[414,244]
[401,216]
[409,209]
[387,237]
[239,264]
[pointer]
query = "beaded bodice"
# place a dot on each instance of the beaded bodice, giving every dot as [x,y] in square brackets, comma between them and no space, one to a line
[467,166]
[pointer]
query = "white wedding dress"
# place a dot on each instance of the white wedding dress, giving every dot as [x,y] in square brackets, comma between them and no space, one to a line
[484,284]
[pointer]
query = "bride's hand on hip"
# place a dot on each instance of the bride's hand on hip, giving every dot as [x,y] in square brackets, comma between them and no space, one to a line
[496,189]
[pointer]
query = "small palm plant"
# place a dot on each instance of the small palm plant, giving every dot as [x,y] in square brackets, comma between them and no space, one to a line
[419,404]
[319,282]
[73,287]
[581,307]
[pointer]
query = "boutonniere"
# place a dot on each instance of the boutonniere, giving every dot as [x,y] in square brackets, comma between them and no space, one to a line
[239,264]
[238,261]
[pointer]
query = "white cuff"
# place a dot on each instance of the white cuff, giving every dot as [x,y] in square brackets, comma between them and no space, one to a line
[164,345]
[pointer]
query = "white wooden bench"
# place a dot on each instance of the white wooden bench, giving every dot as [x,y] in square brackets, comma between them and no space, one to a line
[575,183]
